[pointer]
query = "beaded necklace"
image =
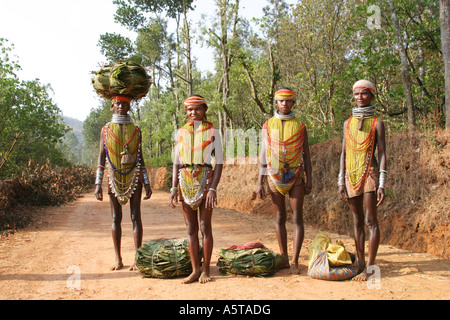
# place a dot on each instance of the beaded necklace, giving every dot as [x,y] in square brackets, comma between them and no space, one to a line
[195,146]
[121,119]
[192,133]
[363,112]
[281,116]
[284,155]
[123,175]
[360,145]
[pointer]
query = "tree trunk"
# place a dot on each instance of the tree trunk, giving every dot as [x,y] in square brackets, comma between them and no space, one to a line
[275,76]
[8,153]
[445,38]
[254,90]
[406,78]
[226,53]
[187,39]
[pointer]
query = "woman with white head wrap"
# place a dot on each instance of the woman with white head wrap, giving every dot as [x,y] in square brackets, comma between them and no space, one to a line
[358,179]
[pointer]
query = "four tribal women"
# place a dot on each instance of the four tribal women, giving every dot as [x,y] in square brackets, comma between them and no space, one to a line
[286,161]
[195,181]
[361,178]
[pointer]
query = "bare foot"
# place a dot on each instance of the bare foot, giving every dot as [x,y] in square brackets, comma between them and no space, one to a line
[117,266]
[192,277]
[295,269]
[361,276]
[284,263]
[204,278]
[133,267]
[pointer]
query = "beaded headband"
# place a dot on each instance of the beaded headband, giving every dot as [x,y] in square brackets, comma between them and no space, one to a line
[121,98]
[194,100]
[285,94]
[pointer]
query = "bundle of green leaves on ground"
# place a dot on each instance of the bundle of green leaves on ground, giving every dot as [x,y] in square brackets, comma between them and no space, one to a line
[260,261]
[122,78]
[164,258]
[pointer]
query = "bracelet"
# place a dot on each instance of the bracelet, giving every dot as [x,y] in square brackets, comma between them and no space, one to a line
[212,189]
[341,179]
[173,189]
[382,181]
[99,177]
[145,176]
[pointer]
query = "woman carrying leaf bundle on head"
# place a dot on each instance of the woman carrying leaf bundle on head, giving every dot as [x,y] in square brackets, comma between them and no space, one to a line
[120,148]
[121,153]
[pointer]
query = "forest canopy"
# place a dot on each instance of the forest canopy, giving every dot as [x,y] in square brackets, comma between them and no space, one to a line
[317,48]
[31,126]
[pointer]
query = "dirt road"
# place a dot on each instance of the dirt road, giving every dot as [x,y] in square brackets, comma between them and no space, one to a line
[44,261]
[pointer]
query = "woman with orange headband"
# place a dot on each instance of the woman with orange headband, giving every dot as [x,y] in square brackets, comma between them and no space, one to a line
[285,160]
[121,152]
[195,182]
[361,179]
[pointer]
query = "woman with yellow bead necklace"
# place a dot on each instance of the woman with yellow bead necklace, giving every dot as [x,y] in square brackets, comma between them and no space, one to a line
[286,162]
[361,179]
[194,182]
[121,153]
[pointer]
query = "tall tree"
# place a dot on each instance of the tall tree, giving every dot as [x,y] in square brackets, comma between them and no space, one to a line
[406,78]
[115,47]
[445,38]
[313,42]
[224,44]
[134,15]
[266,44]
[31,124]
[187,39]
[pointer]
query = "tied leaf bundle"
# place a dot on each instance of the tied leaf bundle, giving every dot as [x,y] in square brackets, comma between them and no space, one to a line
[260,262]
[122,79]
[164,258]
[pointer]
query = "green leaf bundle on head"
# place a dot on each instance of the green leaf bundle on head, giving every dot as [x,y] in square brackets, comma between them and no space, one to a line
[127,79]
